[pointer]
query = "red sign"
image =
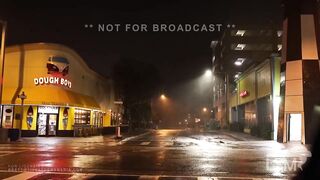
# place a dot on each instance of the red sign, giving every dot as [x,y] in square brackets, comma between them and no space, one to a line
[244,93]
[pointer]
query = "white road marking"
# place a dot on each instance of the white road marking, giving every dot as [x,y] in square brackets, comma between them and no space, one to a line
[134,137]
[149,177]
[27,175]
[169,144]
[5,153]
[24,175]
[206,178]
[145,143]
[81,176]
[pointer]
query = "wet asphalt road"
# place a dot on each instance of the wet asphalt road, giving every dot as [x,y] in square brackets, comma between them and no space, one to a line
[160,152]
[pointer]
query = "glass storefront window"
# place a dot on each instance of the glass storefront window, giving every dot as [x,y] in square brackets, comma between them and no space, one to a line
[82,116]
[97,119]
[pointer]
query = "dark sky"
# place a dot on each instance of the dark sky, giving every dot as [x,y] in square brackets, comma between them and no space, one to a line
[180,57]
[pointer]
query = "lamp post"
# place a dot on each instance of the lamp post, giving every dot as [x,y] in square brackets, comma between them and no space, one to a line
[205,117]
[22,96]
[3,37]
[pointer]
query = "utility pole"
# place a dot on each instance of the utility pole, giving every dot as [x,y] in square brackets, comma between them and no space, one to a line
[3,38]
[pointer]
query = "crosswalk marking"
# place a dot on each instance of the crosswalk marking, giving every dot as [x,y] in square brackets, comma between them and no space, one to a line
[148,177]
[7,152]
[81,176]
[145,143]
[23,176]
[76,176]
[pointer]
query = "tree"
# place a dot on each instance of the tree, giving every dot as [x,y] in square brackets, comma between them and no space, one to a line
[136,82]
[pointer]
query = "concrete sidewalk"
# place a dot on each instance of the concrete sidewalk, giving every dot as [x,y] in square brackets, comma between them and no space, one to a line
[239,136]
[92,139]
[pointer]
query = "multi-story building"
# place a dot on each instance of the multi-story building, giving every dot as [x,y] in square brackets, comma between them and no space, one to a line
[243,58]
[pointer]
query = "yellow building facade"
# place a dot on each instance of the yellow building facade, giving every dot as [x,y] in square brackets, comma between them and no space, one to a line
[64,97]
[254,105]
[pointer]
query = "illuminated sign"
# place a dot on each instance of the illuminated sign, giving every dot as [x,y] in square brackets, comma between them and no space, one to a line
[48,109]
[52,80]
[58,67]
[244,93]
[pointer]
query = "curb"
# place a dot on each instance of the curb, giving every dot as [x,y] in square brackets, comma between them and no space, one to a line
[134,137]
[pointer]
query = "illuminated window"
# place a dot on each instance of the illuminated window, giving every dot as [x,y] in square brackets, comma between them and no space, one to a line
[82,116]
[239,61]
[97,119]
[236,76]
[240,33]
[240,47]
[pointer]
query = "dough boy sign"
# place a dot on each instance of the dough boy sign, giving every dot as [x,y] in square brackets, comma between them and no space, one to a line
[52,80]
[58,68]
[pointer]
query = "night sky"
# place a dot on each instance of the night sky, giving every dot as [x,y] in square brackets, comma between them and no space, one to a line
[181,57]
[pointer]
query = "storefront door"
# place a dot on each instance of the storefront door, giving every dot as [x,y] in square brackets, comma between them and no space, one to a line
[295,127]
[47,124]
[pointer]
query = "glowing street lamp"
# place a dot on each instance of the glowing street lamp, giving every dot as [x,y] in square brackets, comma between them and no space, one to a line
[204,109]
[208,73]
[163,97]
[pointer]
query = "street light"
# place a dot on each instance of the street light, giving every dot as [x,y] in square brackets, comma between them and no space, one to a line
[163,97]
[3,37]
[204,109]
[208,73]
[22,96]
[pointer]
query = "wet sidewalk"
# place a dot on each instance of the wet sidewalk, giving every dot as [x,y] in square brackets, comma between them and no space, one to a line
[111,138]
[240,136]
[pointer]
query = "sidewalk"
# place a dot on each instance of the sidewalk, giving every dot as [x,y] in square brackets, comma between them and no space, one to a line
[111,138]
[239,136]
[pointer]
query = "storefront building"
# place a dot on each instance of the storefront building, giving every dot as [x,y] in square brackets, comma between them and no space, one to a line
[254,103]
[63,96]
[299,120]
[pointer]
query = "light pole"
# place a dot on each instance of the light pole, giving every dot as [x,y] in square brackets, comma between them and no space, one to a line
[22,96]
[3,38]
[205,116]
